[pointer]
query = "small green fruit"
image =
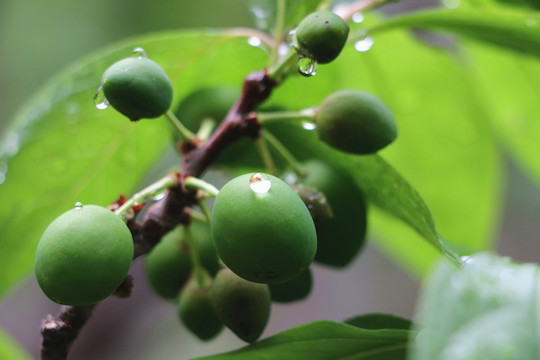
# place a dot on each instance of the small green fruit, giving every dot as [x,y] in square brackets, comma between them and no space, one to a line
[243,306]
[321,36]
[356,122]
[138,88]
[340,238]
[207,103]
[297,288]
[168,265]
[196,308]
[83,256]
[262,230]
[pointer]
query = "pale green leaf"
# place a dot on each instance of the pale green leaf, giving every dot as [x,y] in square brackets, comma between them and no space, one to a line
[488,310]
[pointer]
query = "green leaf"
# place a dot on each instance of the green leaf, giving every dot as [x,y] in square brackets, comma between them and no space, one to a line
[10,349]
[60,149]
[379,322]
[511,29]
[486,311]
[326,340]
[266,12]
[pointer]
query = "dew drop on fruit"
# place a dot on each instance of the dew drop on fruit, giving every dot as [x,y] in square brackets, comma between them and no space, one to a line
[291,39]
[357,17]
[78,205]
[259,183]
[364,44]
[100,100]
[139,53]
[307,66]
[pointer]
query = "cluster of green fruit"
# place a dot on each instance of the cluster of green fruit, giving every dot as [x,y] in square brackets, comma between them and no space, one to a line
[266,232]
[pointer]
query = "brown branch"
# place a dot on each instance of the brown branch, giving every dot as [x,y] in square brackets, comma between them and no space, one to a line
[59,333]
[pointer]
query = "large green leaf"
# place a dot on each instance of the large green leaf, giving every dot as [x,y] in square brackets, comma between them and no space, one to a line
[512,29]
[486,311]
[444,147]
[326,340]
[9,349]
[60,149]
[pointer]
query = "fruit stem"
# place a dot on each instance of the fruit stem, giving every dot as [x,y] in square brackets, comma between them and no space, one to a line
[192,182]
[205,209]
[301,115]
[278,71]
[183,131]
[198,271]
[197,216]
[278,30]
[162,184]
[297,167]
[266,155]
[207,126]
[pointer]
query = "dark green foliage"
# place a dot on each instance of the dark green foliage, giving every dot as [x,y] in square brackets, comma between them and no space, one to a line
[243,306]
[83,256]
[321,36]
[196,309]
[138,88]
[266,237]
[168,265]
[340,238]
[295,289]
[356,122]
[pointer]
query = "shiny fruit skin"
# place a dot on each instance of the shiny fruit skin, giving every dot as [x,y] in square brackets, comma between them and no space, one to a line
[340,238]
[138,88]
[83,256]
[356,122]
[262,237]
[321,36]
[168,266]
[196,308]
[243,306]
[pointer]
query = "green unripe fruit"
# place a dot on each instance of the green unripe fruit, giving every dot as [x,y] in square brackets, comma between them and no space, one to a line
[168,265]
[243,306]
[206,103]
[356,122]
[83,256]
[138,88]
[321,36]
[262,230]
[196,308]
[295,289]
[340,238]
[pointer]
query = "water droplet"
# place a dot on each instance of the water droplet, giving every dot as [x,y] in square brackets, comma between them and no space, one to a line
[283,49]
[357,17]
[100,100]
[309,126]
[139,53]
[158,195]
[259,183]
[254,41]
[291,39]
[307,66]
[364,44]
[466,259]
[78,205]
[291,178]
[451,4]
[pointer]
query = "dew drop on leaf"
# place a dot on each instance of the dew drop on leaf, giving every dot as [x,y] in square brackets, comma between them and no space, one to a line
[78,205]
[307,66]
[139,53]
[309,126]
[254,41]
[100,100]
[259,183]
[357,17]
[364,44]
